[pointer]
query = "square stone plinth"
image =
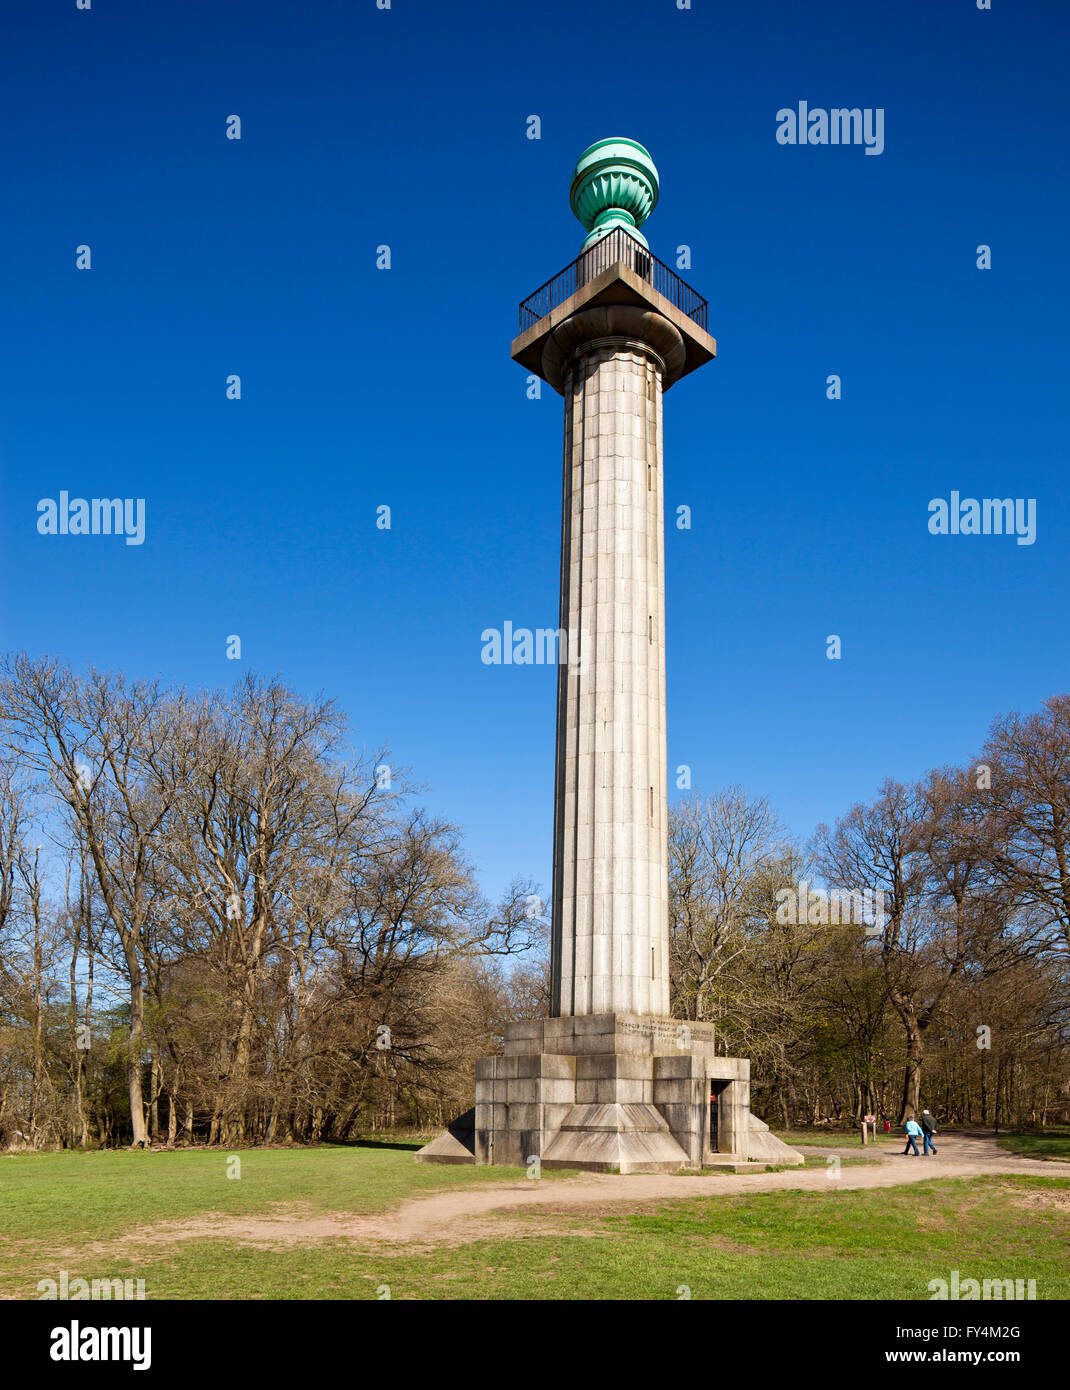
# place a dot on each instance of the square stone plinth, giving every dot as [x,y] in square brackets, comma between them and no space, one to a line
[610,1093]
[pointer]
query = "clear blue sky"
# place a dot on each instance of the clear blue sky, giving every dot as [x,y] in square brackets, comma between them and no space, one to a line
[364,387]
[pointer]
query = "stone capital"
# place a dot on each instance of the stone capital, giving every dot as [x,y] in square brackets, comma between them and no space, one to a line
[617,326]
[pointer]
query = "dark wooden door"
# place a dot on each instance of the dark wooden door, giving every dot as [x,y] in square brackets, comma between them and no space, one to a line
[716,1087]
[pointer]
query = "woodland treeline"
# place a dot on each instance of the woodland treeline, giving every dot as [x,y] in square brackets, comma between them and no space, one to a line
[956,998]
[219,924]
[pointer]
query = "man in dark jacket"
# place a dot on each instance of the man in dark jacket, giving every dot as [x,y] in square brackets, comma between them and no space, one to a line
[928,1129]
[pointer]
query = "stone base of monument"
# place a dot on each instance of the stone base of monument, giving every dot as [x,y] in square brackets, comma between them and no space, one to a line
[625,1093]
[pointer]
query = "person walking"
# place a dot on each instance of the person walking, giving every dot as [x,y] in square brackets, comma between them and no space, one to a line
[928,1129]
[914,1132]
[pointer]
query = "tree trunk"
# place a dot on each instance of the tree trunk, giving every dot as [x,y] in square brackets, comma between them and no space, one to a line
[154,1096]
[88,1018]
[911,1106]
[80,1128]
[137,1037]
[37,1094]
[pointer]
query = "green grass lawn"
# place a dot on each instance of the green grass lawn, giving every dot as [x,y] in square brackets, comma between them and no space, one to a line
[1053,1144]
[885,1243]
[82,1196]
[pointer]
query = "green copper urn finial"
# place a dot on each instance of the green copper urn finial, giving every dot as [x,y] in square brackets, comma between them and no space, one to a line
[614,184]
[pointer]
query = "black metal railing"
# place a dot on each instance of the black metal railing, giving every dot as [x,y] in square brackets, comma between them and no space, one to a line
[617,245]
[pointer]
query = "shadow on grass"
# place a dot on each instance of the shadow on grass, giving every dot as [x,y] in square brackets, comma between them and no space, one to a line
[410,1145]
[407,1145]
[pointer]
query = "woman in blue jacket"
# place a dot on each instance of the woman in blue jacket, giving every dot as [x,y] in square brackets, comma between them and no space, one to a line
[914,1132]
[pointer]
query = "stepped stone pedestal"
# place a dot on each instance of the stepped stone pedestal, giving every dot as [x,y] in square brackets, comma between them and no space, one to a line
[624,1093]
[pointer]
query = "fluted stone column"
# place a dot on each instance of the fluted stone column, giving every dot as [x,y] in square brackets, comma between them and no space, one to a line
[610,919]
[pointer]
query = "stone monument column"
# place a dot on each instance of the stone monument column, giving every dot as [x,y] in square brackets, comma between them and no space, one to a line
[609,1081]
[611,856]
[611,887]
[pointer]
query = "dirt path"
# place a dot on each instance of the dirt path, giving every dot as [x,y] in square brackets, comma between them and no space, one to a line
[460,1216]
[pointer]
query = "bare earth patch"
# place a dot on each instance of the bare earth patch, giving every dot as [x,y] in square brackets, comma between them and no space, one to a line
[1044,1201]
[460,1217]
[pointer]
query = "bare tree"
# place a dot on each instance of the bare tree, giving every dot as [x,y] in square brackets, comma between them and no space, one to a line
[717,849]
[103,747]
[1027,758]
